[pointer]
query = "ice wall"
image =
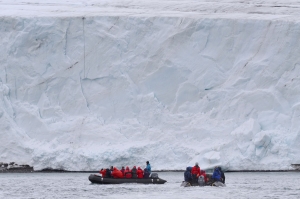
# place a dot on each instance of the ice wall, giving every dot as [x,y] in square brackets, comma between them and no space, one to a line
[80,93]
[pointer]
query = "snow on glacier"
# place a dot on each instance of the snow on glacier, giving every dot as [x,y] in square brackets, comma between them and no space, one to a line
[96,83]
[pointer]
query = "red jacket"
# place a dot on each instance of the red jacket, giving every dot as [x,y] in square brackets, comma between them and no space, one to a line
[123,171]
[117,173]
[204,175]
[103,172]
[128,173]
[196,170]
[140,173]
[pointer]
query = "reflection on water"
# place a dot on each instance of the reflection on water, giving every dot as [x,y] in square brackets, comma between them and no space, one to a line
[77,185]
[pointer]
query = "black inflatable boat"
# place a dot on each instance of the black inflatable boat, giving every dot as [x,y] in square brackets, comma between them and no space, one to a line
[98,179]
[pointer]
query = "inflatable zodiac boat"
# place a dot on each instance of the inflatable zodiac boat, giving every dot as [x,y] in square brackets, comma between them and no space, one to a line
[100,180]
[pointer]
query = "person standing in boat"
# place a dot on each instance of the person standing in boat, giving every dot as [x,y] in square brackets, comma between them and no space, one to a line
[148,167]
[195,172]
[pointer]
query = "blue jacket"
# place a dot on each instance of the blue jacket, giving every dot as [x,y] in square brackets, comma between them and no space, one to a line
[148,167]
[188,174]
[217,174]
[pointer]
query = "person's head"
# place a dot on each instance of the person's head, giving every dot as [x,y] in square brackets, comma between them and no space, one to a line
[123,168]
[196,164]
[127,168]
[101,169]
[147,162]
[134,167]
[111,168]
[220,168]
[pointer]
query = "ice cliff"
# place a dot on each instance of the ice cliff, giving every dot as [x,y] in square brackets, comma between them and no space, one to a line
[84,91]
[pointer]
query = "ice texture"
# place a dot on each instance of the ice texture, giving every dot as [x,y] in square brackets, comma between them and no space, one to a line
[97,83]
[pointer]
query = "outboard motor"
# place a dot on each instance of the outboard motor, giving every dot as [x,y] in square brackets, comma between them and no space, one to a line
[154,175]
[201,181]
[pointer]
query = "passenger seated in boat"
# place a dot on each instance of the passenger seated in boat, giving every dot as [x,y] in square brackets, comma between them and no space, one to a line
[102,172]
[123,171]
[203,173]
[111,169]
[195,172]
[133,171]
[146,173]
[117,173]
[222,175]
[128,173]
[188,175]
[107,173]
[140,173]
[216,174]
[209,181]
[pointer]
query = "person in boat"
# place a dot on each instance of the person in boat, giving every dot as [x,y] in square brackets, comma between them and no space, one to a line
[107,173]
[216,175]
[146,173]
[148,167]
[203,173]
[134,172]
[123,170]
[140,173]
[209,181]
[102,172]
[222,175]
[195,172]
[128,173]
[117,173]
[188,175]
[111,169]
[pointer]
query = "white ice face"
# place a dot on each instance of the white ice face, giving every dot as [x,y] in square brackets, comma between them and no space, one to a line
[172,86]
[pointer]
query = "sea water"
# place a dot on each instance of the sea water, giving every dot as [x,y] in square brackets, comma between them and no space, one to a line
[76,185]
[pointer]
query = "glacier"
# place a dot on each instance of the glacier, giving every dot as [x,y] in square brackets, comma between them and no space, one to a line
[89,84]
